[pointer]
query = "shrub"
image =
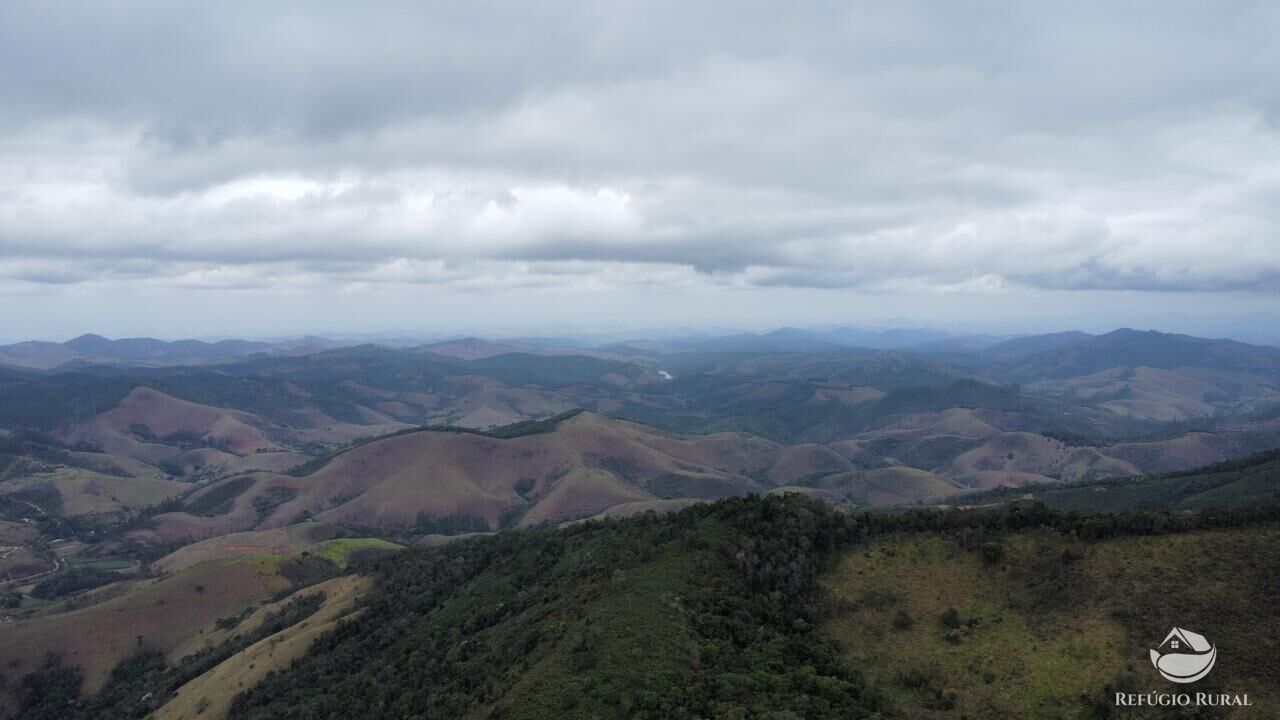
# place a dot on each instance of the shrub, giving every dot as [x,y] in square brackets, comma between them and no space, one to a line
[992,553]
[950,618]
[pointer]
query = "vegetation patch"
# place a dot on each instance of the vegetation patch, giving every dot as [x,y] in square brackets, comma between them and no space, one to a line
[344,551]
[1043,624]
[80,562]
[74,581]
[265,502]
[451,524]
[219,499]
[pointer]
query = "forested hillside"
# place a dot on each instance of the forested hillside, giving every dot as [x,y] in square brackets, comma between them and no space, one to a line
[734,609]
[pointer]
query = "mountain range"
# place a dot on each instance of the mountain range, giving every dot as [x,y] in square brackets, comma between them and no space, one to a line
[95,349]
[175,517]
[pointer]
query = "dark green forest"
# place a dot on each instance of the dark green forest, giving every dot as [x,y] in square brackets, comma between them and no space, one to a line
[715,611]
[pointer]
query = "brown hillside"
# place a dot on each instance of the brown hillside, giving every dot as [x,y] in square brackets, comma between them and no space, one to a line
[153,428]
[84,492]
[287,541]
[210,695]
[1030,453]
[888,486]
[588,464]
[164,416]
[161,614]
[800,461]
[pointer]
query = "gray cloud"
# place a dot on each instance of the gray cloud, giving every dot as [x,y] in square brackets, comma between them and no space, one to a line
[931,147]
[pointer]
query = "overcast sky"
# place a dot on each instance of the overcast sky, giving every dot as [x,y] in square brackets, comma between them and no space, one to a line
[270,168]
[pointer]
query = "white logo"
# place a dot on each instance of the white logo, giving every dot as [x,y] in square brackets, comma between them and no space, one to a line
[1184,656]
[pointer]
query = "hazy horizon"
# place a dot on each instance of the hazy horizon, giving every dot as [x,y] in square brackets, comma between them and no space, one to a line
[589,336]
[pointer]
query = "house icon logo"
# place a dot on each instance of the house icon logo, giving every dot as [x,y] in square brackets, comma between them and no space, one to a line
[1184,656]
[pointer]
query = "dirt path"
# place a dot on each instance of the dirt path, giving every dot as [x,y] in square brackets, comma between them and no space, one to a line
[57,565]
[30,505]
[57,562]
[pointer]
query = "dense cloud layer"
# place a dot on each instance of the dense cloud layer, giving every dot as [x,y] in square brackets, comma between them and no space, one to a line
[967,147]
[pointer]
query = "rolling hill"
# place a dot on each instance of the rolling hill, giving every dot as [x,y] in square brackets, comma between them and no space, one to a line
[1108,389]
[574,466]
[582,464]
[864,427]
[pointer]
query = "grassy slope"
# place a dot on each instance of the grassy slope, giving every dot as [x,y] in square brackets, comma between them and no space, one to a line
[309,539]
[160,615]
[1050,635]
[85,492]
[16,533]
[210,695]
[342,551]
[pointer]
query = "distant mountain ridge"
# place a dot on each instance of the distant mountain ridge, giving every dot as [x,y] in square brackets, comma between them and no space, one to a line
[147,348]
[1121,347]
[96,348]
